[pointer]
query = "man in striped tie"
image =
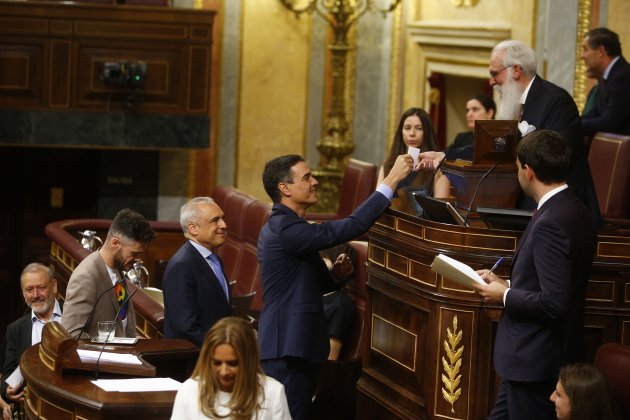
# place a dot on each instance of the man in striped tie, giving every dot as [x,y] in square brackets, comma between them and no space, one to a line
[196,290]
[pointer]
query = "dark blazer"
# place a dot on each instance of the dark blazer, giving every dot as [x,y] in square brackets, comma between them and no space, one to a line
[193,297]
[462,147]
[549,107]
[292,322]
[540,328]
[17,339]
[611,112]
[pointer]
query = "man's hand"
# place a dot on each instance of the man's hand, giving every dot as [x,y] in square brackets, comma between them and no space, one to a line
[428,161]
[15,394]
[342,267]
[402,167]
[495,288]
[6,410]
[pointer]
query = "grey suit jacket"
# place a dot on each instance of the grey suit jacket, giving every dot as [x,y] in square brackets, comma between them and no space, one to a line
[88,282]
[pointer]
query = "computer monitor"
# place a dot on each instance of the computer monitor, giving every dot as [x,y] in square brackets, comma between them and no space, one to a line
[439,210]
[495,140]
[510,219]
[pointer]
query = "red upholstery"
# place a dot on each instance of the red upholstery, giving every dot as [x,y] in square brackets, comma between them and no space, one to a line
[357,184]
[609,159]
[613,360]
[245,216]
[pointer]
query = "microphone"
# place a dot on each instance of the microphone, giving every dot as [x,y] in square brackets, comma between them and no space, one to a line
[472,201]
[89,319]
[100,353]
[437,168]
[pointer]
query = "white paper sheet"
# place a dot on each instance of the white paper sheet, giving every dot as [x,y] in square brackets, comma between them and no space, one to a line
[15,379]
[124,358]
[414,152]
[138,384]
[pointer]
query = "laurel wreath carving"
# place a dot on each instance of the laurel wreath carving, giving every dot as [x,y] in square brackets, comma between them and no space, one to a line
[451,364]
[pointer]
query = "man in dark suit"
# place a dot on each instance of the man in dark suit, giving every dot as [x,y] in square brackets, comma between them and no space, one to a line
[609,101]
[541,325]
[292,331]
[541,105]
[39,288]
[196,289]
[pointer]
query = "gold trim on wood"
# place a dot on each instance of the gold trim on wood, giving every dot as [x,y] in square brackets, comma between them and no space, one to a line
[382,352]
[614,245]
[406,273]
[612,288]
[464,3]
[579,80]
[451,378]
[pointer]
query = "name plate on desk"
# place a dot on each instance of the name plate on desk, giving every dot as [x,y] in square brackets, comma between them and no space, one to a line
[115,340]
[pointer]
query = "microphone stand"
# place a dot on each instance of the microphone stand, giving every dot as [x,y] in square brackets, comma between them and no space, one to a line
[89,319]
[125,302]
[483,177]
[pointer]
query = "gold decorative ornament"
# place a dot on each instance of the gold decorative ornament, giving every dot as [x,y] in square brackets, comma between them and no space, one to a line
[464,3]
[450,376]
[579,80]
[336,145]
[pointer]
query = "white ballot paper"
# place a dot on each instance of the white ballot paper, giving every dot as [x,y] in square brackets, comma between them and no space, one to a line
[414,152]
[138,384]
[15,379]
[456,271]
[125,358]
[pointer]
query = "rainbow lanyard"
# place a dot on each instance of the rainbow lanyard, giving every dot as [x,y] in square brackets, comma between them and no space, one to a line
[121,294]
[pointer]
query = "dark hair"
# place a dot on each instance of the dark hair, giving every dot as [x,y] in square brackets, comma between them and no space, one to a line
[398,145]
[547,153]
[131,226]
[604,37]
[486,101]
[276,171]
[588,392]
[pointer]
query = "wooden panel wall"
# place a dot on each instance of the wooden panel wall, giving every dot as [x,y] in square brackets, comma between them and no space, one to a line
[52,56]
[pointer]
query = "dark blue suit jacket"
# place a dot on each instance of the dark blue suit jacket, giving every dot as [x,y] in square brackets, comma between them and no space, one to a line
[540,328]
[611,112]
[549,107]
[18,339]
[193,297]
[292,321]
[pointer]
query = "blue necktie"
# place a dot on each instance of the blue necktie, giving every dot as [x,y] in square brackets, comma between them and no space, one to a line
[216,267]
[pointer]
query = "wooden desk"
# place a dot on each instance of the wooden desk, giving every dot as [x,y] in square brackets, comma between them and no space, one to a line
[413,318]
[72,396]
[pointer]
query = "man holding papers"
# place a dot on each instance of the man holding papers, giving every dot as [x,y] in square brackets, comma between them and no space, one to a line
[541,325]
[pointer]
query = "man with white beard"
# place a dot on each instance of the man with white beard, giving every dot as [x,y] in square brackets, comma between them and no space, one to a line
[39,288]
[525,96]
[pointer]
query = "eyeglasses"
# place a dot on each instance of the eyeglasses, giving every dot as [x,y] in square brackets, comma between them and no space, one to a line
[495,74]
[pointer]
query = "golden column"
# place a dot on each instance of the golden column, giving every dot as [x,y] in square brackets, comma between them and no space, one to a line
[335,147]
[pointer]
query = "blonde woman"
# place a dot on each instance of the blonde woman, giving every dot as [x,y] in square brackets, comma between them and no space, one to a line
[228,381]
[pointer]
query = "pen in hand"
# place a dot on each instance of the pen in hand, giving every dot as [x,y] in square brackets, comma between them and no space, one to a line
[496,265]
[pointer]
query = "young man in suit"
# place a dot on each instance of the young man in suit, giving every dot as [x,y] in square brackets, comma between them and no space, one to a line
[196,290]
[525,96]
[39,288]
[608,102]
[541,326]
[292,331]
[96,290]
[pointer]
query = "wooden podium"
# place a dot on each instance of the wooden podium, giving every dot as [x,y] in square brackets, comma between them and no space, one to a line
[58,386]
[429,342]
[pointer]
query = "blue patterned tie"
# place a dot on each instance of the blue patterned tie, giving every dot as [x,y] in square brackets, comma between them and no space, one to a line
[216,267]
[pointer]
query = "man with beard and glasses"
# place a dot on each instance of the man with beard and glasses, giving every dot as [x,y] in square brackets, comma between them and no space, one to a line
[538,105]
[88,299]
[39,288]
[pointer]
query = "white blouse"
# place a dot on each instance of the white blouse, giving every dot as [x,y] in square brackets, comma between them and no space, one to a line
[274,407]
